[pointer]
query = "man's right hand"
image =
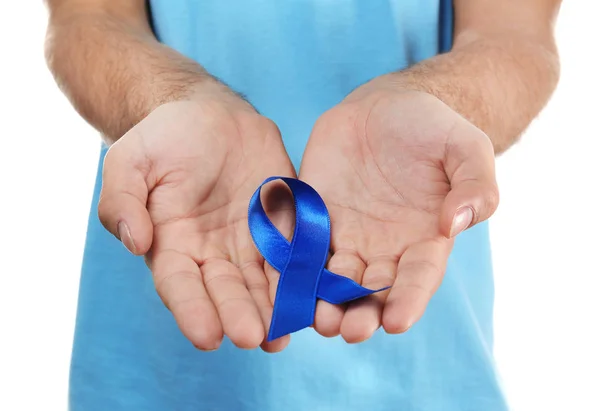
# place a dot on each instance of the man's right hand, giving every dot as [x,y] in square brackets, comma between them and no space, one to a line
[176,189]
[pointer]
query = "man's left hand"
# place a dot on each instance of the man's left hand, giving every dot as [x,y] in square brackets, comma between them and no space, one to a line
[402,174]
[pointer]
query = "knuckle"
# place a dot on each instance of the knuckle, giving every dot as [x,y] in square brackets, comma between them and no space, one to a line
[257,286]
[491,199]
[379,279]
[216,279]
[105,213]
[346,262]
[163,283]
[344,270]
[232,302]
[420,273]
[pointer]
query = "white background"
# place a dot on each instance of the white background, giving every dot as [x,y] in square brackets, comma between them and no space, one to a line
[545,234]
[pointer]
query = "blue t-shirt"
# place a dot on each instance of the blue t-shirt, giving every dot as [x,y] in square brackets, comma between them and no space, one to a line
[293,59]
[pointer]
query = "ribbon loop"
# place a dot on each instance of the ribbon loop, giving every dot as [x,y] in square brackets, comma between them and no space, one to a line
[300,262]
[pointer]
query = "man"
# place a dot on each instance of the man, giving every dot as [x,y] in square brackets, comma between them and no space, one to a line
[399,141]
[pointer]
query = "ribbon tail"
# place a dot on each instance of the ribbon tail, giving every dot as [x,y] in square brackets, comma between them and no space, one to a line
[336,289]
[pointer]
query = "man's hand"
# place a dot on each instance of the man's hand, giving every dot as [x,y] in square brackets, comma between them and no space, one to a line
[177,184]
[176,188]
[401,174]
[407,160]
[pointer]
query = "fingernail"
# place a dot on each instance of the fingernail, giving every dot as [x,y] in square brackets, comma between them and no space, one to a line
[216,346]
[125,236]
[462,220]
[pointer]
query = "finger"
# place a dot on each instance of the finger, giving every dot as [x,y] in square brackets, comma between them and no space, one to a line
[178,281]
[363,317]
[470,166]
[237,310]
[272,276]
[122,205]
[419,274]
[328,317]
[258,287]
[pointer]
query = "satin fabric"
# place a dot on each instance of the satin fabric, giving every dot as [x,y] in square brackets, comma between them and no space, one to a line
[301,262]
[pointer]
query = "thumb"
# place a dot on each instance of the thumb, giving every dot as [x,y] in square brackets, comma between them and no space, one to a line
[470,167]
[122,206]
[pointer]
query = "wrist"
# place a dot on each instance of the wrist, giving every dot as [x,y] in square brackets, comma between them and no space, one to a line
[185,82]
[213,104]
[213,92]
[397,83]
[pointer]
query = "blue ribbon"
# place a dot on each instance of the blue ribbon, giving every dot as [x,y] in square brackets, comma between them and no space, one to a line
[300,262]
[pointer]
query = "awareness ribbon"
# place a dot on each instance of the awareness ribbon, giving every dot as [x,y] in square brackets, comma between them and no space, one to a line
[301,262]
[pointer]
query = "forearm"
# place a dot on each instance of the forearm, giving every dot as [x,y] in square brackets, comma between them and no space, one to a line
[502,68]
[113,69]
